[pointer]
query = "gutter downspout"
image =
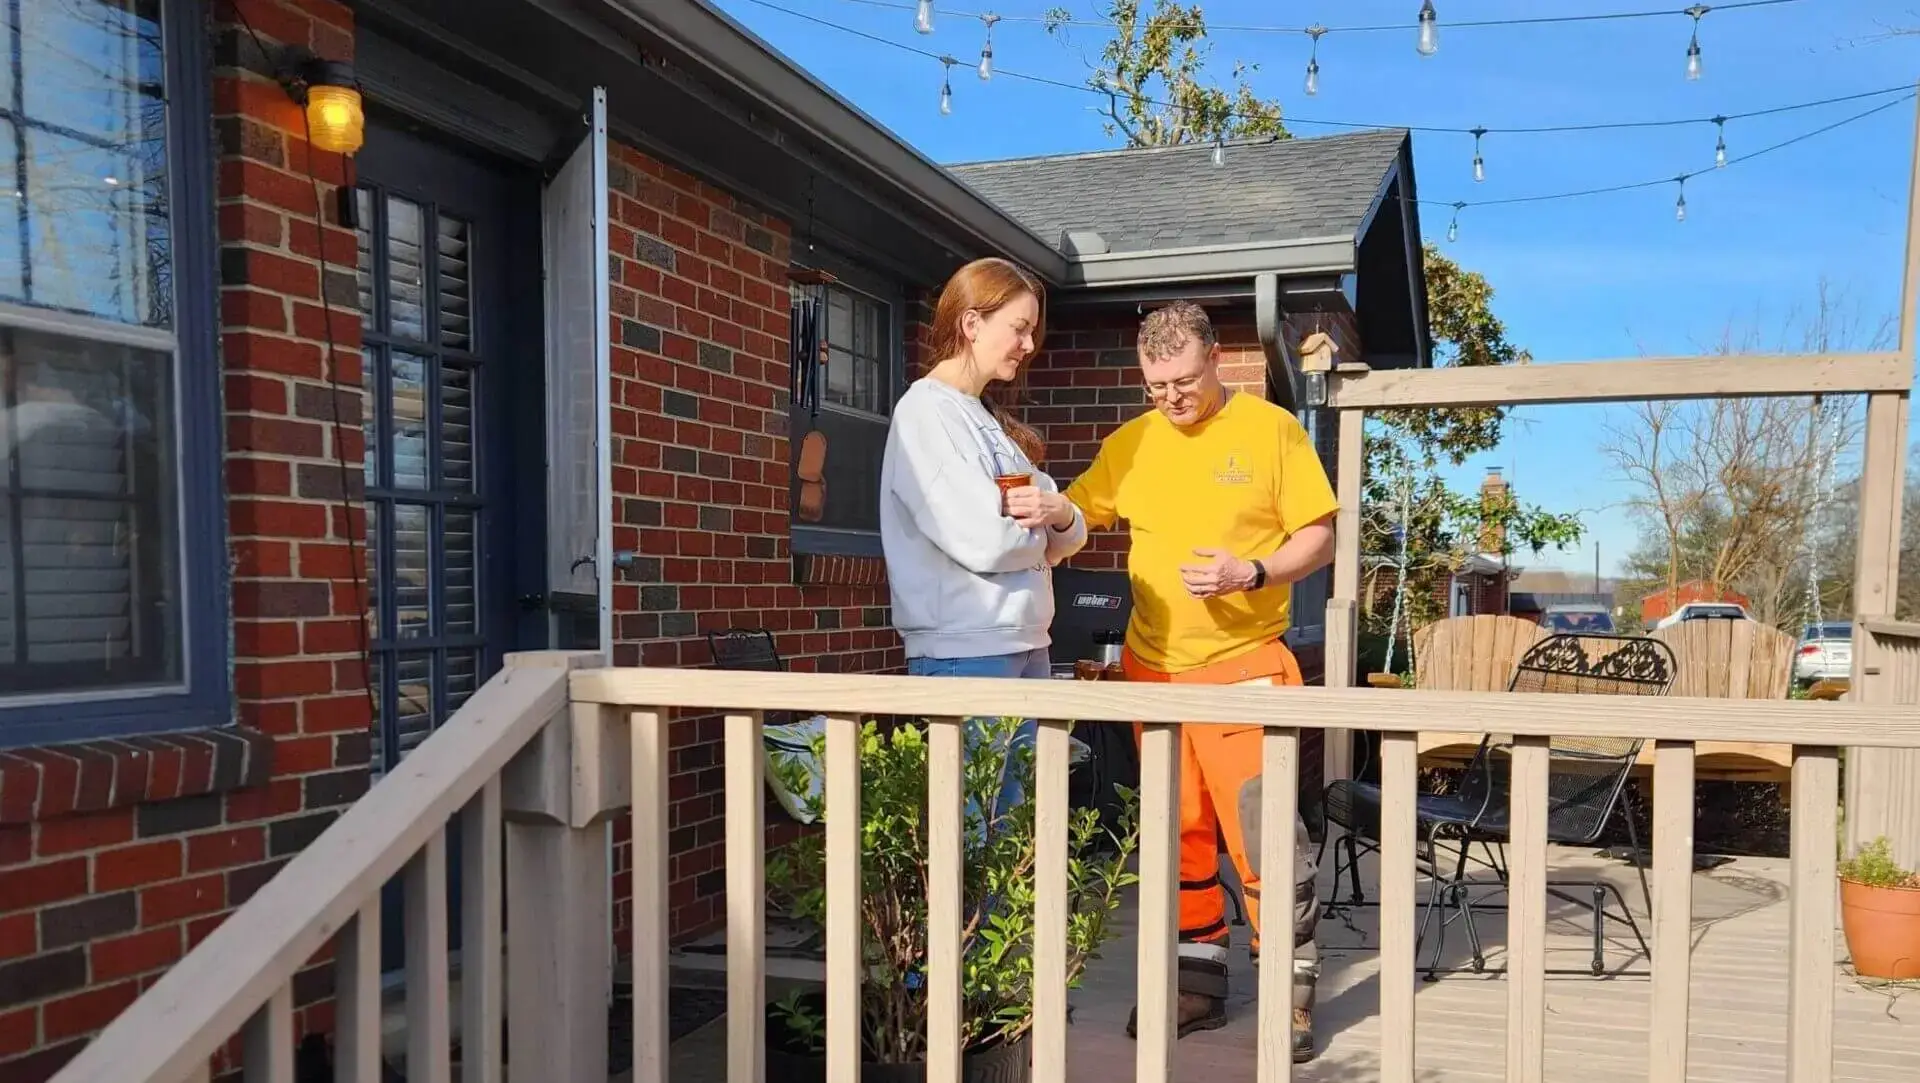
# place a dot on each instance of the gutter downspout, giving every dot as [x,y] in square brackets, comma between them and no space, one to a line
[1269,325]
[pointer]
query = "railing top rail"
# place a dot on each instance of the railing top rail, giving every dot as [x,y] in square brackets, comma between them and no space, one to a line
[198,1005]
[1544,715]
[1641,380]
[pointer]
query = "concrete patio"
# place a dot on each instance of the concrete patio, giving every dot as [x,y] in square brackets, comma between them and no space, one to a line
[1596,1028]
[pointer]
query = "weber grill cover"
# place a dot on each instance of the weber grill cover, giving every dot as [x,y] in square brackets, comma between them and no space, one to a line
[1086,602]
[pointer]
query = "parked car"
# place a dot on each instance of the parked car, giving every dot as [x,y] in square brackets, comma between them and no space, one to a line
[1825,652]
[1703,611]
[1578,619]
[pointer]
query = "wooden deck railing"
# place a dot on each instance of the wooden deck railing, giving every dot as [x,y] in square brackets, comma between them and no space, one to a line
[549,755]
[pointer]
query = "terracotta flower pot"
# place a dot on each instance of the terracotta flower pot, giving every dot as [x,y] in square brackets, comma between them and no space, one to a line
[1882,926]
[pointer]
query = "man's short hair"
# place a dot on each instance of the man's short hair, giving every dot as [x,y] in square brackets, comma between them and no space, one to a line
[1167,329]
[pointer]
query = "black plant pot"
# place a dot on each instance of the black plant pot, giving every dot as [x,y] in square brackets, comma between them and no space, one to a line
[996,1062]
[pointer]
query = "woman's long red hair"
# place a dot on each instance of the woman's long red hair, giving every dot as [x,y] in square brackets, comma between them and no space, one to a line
[985,286]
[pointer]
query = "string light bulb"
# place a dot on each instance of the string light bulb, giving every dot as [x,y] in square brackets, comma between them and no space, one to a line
[986,50]
[1693,45]
[1479,163]
[923,16]
[1720,148]
[946,85]
[1219,151]
[1313,59]
[1680,204]
[1453,227]
[1429,43]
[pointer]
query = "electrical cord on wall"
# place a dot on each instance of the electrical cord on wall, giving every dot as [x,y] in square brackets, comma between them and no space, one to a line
[330,366]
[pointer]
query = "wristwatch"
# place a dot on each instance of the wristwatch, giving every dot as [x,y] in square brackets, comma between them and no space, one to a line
[1259,576]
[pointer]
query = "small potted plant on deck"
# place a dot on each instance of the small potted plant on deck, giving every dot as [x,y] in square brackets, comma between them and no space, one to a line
[997,909]
[1880,913]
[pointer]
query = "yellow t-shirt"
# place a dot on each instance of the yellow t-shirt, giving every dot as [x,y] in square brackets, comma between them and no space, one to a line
[1244,480]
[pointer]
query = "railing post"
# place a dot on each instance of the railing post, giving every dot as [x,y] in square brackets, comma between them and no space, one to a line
[557,796]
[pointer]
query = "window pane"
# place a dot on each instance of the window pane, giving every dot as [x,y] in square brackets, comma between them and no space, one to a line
[840,377]
[456,427]
[458,568]
[413,714]
[840,319]
[363,255]
[456,285]
[370,420]
[409,421]
[84,161]
[411,588]
[404,277]
[463,677]
[89,545]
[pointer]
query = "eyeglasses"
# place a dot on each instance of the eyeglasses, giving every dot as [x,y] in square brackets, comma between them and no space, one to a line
[1185,386]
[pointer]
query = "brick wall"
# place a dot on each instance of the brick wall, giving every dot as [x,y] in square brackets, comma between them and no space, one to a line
[116,858]
[700,314]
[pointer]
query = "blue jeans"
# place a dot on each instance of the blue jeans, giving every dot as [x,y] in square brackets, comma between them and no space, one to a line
[1033,664]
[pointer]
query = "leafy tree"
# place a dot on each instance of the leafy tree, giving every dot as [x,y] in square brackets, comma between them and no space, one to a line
[1153,73]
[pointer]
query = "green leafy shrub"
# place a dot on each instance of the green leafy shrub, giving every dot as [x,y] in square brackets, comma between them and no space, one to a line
[997,909]
[1874,866]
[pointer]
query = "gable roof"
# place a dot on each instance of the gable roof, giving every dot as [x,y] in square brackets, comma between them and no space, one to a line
[1163,198]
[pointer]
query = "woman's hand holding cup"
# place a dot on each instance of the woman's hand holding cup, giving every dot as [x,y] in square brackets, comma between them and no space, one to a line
[1033,507]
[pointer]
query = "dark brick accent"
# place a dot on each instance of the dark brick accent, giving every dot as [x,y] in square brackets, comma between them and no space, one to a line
[174,817]
[336,787]
[639,336]
[93,776]
[291,836]
[89,919]
[681,404]
[42,976]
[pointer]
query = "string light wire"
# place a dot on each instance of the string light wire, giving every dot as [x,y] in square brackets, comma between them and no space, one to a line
[1375,28]
[1905,91]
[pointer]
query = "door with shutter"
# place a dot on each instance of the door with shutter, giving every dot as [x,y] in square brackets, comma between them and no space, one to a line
[450,295]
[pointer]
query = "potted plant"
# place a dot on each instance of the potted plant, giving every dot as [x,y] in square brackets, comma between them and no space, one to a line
[1880,913]
[997,908]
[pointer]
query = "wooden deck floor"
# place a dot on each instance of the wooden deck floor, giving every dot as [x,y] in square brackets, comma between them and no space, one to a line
[1596,1028]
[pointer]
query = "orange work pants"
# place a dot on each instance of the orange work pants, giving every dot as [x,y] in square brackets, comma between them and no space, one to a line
[1220,803]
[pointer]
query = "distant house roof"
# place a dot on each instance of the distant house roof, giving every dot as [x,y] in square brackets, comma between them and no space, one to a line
[1160,198]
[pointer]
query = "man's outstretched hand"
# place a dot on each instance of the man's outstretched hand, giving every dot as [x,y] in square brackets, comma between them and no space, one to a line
[1220,573]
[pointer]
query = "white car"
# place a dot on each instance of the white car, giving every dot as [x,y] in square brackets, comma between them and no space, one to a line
[1825,652]
[1703,611]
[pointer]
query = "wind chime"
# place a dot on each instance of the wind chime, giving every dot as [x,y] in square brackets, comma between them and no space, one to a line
[806,370]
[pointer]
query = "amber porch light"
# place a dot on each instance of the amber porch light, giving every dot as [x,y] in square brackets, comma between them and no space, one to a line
[335,120]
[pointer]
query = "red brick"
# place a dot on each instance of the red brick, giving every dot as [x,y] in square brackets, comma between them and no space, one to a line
[259,477]
[200,928]
[277,519]
[257,352]
[282,678]
[251,223]
[84,1013]
[27,886]
[259,394]
[332,637]
[266,639]
[311,322]
[303,238]
[19,935]
[137,953]
[253,180]
[242,307]
[18,1031]
[330,561]
[256,557]
[274,272]
[134,866]
[85,832]
[337,714]
[238,846]
[277,798]
[275,436]
[169,903]
[299,756]
[16,843]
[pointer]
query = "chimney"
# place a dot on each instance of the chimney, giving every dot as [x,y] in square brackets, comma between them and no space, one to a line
[1494,493]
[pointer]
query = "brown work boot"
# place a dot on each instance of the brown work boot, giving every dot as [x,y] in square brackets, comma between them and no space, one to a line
[1302,1035]
[1202,1004]
[1193,1012]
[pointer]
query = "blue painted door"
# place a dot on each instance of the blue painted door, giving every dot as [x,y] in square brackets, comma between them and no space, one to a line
[449,281]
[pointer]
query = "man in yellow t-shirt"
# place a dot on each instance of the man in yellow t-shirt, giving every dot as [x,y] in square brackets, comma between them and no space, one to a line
[1226,504]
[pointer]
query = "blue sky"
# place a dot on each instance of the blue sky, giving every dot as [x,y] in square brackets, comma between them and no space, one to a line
[1605,276]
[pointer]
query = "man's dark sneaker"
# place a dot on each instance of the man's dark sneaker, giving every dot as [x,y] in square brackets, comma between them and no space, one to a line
[1194,1012]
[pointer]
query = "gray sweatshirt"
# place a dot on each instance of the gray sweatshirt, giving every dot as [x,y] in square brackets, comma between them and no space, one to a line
[966,580]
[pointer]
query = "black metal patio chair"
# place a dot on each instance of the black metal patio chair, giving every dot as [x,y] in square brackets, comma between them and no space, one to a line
[1586,779]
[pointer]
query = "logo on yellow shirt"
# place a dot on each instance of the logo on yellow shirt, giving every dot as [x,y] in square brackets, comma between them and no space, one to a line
[1234,472]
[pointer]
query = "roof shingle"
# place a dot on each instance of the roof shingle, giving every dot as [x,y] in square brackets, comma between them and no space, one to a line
[1150,198]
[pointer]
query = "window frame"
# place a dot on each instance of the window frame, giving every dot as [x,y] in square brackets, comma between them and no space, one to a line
[203,696]
[817,539]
